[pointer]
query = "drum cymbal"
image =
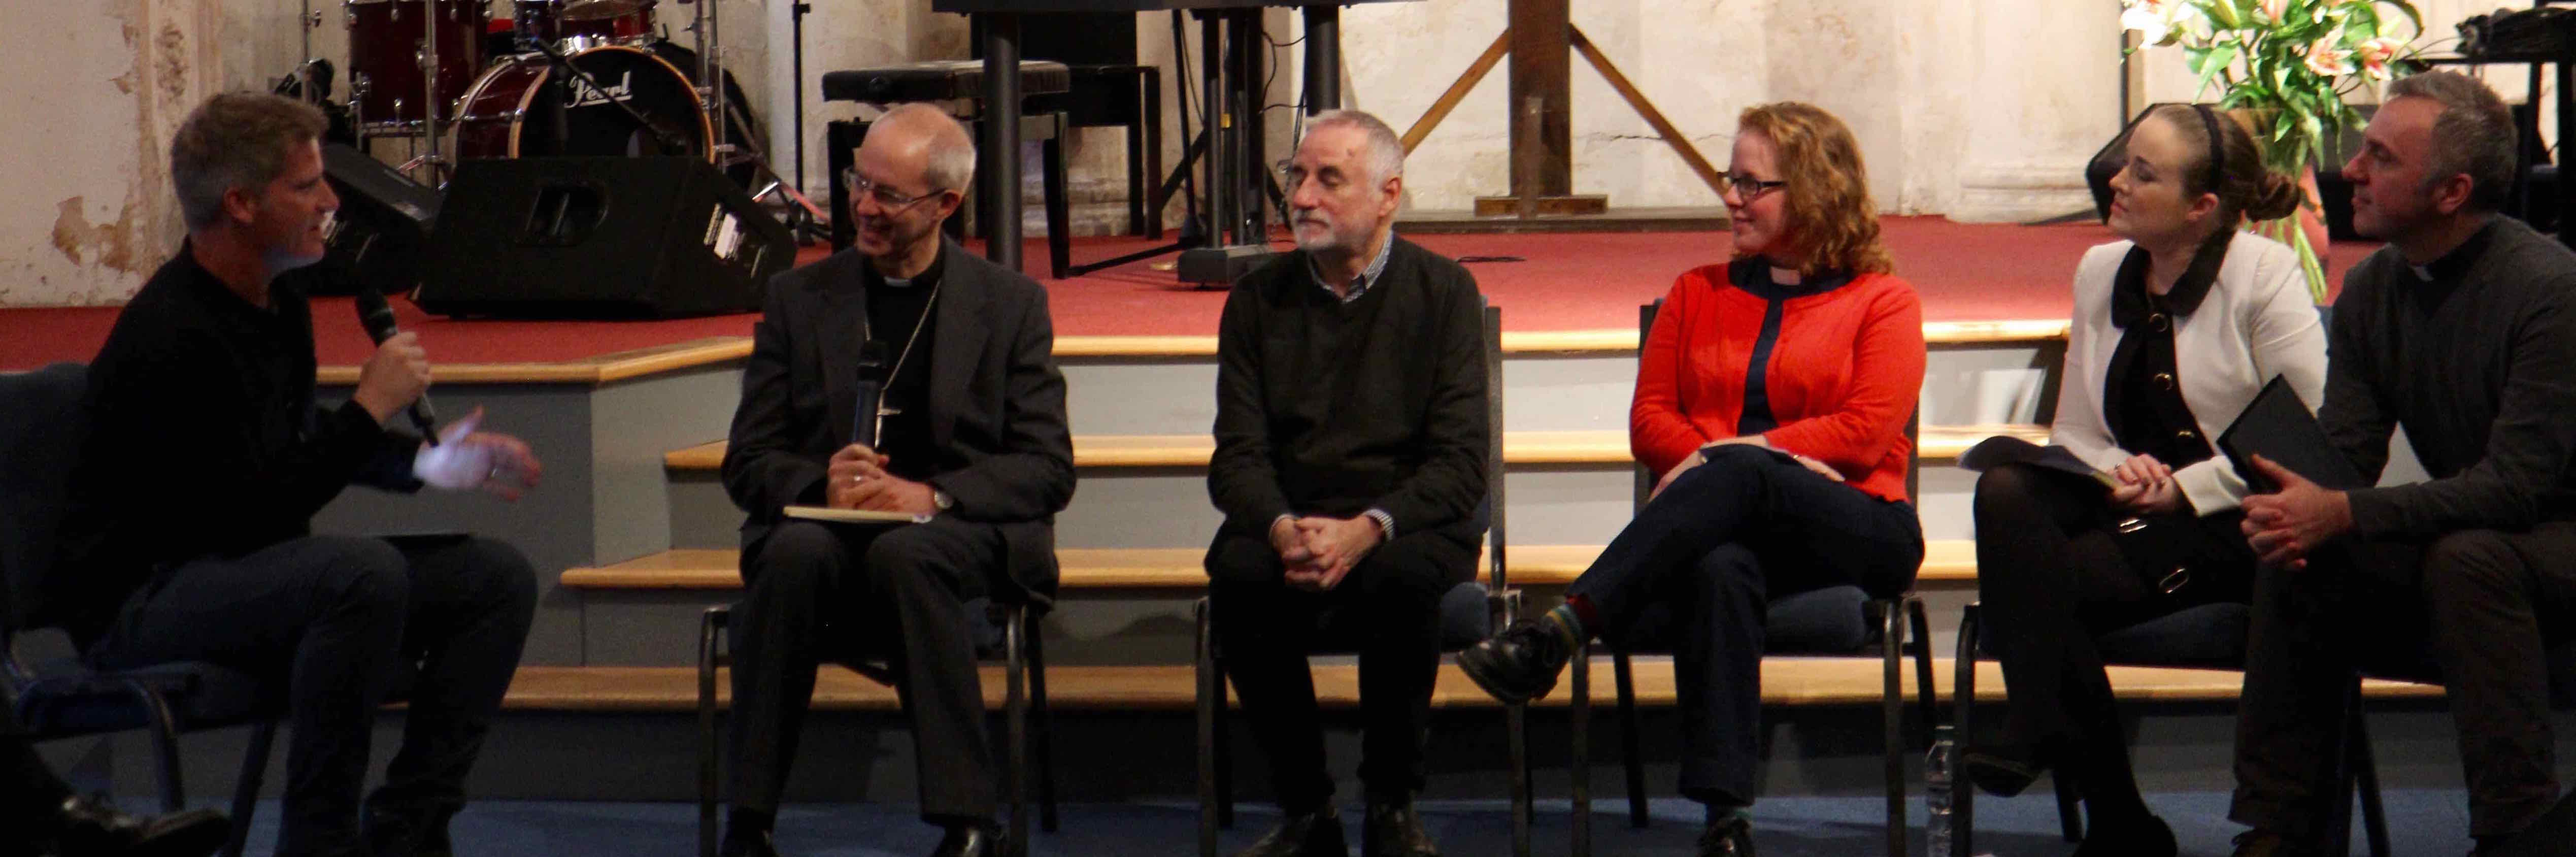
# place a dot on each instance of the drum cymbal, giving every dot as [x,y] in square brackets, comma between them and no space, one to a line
[596,10]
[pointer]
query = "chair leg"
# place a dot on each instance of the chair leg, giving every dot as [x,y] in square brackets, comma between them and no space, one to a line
[1135,178]
[1016,709]
[1928,701]
[2070,816]
[1963,696]
[1044,734]
[1579,721]
[1626,685]
[165,744]
[1516,737]
[711,627]
[2365,771]
[1059,211]
[1892,707]
[1209,699]
[246,790]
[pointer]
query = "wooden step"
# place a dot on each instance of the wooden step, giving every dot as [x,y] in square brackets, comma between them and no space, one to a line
[1938,443]
[1621,340]
[1162,568]
[1785,681]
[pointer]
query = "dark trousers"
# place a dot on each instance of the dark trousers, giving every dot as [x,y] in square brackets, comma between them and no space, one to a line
[344,622]
[2485,607]
[1389,605]
[29,791]
[2052,579]
[1703,560]
[845,593]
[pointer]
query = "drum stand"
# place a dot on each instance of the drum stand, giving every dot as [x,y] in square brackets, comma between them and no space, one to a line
[707,33]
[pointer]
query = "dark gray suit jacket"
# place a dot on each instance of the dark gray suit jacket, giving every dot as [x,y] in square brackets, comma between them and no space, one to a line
[996,409]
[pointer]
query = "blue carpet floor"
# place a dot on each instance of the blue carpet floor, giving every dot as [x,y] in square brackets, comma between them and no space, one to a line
[2421,822]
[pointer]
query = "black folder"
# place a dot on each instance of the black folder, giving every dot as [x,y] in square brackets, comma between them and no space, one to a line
[2277,426]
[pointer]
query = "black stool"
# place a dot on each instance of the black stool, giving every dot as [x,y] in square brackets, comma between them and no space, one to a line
[954,80]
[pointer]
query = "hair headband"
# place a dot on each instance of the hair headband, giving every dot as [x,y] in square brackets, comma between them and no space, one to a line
[2217,148]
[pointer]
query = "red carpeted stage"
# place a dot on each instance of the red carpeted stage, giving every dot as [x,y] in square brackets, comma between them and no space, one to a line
[1543,282]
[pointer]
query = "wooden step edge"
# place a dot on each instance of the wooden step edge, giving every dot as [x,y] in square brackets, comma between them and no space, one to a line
[1786,681]
[1944,560]
[1619,340]
[1609,446]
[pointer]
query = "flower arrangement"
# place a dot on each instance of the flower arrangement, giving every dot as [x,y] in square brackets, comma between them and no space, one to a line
[2290,63]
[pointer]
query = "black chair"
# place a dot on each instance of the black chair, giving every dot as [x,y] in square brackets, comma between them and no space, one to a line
[1012,635]
[40,438]
[1838,620]
[1469,612]
[956,80]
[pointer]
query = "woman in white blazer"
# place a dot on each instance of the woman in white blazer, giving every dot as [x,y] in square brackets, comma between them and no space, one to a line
[2175,330]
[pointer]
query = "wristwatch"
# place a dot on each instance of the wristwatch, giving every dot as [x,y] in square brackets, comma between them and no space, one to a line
[942,500]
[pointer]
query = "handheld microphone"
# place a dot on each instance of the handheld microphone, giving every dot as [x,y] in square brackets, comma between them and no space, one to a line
[377,317]
[871,393]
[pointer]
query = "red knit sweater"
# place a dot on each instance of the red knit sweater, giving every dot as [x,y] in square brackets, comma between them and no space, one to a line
[1842,378]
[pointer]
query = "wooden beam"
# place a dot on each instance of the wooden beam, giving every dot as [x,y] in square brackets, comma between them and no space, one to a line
[1458,90]
[1540,70]
[1637,99]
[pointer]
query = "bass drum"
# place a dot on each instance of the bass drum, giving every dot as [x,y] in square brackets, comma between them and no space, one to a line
[510,112]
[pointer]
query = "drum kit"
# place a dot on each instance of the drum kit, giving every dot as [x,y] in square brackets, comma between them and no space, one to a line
[577,77]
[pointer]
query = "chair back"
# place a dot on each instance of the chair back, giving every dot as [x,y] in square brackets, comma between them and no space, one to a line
[42,423]
[1494,505]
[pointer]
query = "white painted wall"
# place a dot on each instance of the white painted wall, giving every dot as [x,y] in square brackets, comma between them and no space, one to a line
[1978,109]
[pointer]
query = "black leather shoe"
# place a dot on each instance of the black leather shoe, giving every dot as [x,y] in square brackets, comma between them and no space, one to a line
[2001,772]
[1393,829]
[970,840]
[91,828]
[392,833]
[1314,834]
[1518,665]
[2145,837]
[2264,843]
[743,841]
[1730,838]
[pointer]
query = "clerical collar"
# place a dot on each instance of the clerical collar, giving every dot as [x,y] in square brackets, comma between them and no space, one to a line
[928,277]
[1753,274]
[2455,264]
[2130,302]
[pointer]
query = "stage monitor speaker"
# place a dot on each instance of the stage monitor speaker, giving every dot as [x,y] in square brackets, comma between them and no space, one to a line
[601,238]
[381,233]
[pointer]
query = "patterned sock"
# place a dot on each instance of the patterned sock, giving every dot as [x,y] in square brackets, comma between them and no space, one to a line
[1722,813]
[1567,619]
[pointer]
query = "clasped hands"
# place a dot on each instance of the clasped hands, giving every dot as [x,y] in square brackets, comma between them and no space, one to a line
[2147,486]
[856,478]
[1320,551]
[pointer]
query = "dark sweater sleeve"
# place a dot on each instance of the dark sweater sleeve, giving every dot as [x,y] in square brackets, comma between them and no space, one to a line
[2356,421]
[2528,448]
[763,469]
[1450,483]
[1243,477]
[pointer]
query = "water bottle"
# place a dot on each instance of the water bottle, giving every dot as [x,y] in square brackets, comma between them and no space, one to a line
[1936,794]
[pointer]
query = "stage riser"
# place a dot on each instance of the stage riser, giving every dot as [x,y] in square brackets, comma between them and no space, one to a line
[1149,756]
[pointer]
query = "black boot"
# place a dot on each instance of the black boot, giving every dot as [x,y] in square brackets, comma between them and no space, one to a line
[85,827]
[1393,829]
[1313,834]
[396,833]
[746,837]
[970,840]
[1520,664]
[1732,837]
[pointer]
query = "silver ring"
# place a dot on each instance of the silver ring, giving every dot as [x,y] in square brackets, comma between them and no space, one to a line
[495,474]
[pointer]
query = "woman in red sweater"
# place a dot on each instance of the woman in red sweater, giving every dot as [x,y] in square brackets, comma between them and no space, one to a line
[1772,398]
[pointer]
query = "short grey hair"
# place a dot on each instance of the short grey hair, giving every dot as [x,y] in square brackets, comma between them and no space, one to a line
[1385,149]
[2474,136]
[951,149]
[236,140]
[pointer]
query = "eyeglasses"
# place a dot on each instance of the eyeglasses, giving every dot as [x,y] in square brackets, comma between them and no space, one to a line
[886,197]
[1751,188]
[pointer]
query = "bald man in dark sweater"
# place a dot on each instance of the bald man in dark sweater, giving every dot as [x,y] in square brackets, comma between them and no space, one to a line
[2463,331]
[1350,465]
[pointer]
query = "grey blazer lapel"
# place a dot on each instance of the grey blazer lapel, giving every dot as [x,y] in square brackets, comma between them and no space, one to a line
[844,314]
[958,348]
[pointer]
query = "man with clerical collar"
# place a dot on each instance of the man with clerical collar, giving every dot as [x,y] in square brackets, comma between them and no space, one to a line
[970,434]
[189,535]
[2463,332]
[1350,465]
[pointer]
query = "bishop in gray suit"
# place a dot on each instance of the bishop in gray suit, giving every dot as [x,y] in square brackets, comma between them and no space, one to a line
[970,430]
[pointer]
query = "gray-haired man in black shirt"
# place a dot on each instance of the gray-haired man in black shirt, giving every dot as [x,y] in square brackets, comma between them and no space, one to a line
[2462,330]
